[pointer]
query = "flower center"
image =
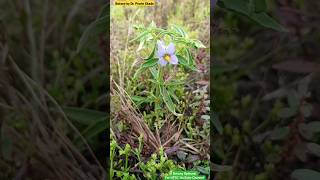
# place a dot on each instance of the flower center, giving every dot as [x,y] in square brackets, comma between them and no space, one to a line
[167,57]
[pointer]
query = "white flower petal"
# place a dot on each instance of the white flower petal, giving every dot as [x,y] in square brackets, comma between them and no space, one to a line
[171,49]
[174,59]
[162,62]
[161,49]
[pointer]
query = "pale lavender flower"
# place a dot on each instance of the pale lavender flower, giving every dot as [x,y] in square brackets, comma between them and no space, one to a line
[166,54]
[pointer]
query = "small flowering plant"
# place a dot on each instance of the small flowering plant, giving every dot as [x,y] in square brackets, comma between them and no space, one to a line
[166,54]
[168,49]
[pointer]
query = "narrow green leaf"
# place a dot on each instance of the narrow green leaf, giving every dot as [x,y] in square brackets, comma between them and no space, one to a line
[243,7]
[150,63]
[217,124]
[104,11]
[218,69]
[283,91]
[152,25]
[174,83]
[168,101]
[267,21]
[6,143]
[198,44]
[203,170]
[140,45]
[220,168]
[173,95]
[92,131]
[305,174]
[260,6]
[139,27]
[154,72]
[152,53]
[138,72]
[205,117]
[140,36]
[236,5]
[138,98]
[183,41]
[92,32]
[182,60]
[185,63]
[165,32]
[84,116]
[153,81]
[179,30]
[190,57]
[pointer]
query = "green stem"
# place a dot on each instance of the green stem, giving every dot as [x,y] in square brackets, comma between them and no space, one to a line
[126,162]
[160,81]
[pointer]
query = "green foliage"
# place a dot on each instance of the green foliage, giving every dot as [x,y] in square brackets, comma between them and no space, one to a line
[148,37]
[272,126]
[255,10]
[157,166]
[96,28]
[167,97]
[90,122]
[301,174]
[47,75]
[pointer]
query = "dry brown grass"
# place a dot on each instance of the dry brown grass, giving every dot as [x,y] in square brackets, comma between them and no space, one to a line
[129,114]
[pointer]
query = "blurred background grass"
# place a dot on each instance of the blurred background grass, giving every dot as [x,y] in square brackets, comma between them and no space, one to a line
[43,79]
[266,93]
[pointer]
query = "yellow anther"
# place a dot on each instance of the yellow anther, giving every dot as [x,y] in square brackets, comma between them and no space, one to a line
[167,57]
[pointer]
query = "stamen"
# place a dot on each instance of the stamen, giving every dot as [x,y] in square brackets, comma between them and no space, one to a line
[167,57]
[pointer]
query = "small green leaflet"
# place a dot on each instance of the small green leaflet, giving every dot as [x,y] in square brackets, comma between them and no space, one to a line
[198,44]
[185,63]
[148,63]
[140,100]
[143,34]
[179,30]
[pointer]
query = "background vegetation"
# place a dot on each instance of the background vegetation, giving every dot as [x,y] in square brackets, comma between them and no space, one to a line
[266,90]
[46,89]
